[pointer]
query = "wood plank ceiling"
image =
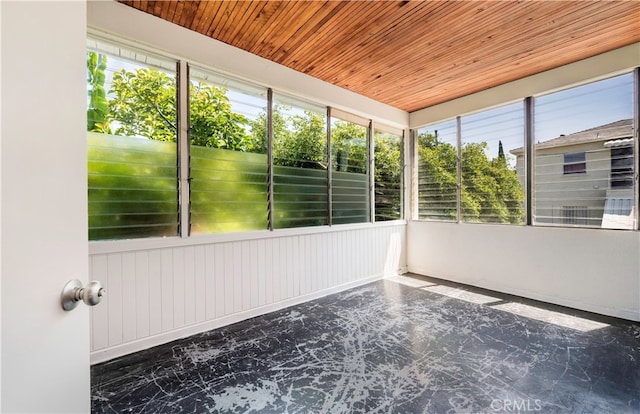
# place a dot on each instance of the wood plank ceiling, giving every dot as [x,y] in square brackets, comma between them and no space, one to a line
[412,54]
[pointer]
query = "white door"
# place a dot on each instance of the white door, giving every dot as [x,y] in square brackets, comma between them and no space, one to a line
[45,350]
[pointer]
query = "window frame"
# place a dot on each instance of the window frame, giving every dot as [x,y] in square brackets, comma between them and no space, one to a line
[529,155]
[183,157]
[574,163]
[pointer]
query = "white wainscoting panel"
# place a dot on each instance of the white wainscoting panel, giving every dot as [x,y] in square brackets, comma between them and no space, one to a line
[164,293]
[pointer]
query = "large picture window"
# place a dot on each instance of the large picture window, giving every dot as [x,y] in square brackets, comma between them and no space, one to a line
[132,150]
[477,179]
[584,156]
[580,171]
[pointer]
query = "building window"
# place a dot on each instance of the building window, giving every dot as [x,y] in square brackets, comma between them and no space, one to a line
[575,163]
[575,215]
[622,167]
[132,150]
[387,174]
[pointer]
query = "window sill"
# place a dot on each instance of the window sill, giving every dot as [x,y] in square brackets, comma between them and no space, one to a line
[130,245]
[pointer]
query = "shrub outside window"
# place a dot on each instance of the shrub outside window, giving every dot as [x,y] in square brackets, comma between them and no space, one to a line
[132,150]
[388,170]
[300,178]
[228,154]
[438,172]
[350,172]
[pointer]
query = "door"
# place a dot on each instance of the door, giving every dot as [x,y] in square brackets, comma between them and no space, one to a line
[44,350]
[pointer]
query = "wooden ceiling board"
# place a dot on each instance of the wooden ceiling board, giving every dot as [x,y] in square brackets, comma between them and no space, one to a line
[259,25]
[249,14]
[368,41]
[267,31]
[412,54]
[289,23]
[211,13]
[409,42]
[298,46]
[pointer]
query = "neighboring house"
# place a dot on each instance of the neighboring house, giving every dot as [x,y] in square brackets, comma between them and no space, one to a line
[585,178]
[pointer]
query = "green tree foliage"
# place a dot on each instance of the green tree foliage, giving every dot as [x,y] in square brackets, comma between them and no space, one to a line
[213,123]
[98,107]
[299,140]
[349,147]
[491,191]
[144,104]
[438,167]
[259,129]
[388,176]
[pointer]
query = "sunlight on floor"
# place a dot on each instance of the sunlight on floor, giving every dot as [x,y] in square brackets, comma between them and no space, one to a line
[410,281]
[461,294]
[548,316]
[528,311]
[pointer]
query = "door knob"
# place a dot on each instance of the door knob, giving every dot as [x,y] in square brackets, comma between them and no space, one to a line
[73,292]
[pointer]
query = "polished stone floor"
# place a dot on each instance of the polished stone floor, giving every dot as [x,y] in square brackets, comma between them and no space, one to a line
[402,345]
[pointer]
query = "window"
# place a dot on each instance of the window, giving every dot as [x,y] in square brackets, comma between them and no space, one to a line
[228,148]
[480,180]
[438,172]
[575,215]
[475,168]
[492,144]
[575,163]
[579,159]
[622,167]
[132,150]
[300,178]
[249,160]
[349,170]
[388,170]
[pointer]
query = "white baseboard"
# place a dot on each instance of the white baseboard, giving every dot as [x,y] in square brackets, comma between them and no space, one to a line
[556,300]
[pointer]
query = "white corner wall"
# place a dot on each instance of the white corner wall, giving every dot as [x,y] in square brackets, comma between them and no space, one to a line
[591,269]
[159,290]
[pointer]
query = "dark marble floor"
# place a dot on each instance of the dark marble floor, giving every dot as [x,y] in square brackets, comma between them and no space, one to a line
[402,345]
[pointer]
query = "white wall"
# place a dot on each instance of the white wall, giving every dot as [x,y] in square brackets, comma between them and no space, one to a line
[163,289]
[157,294]
[595,270]
[590,269]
